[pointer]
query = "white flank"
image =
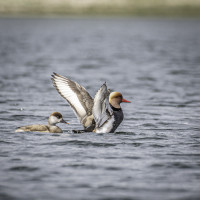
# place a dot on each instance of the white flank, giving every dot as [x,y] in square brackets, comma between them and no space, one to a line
[19,130]
[107,127]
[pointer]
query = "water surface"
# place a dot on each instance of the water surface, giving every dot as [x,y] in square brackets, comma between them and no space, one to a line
[155,153]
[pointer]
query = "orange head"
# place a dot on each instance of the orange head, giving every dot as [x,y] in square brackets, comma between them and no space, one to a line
[116,98]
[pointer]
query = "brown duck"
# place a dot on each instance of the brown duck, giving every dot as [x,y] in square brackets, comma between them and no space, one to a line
[54,118]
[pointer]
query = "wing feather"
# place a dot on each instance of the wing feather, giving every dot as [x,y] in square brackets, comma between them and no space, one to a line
[76,95]
[102,110]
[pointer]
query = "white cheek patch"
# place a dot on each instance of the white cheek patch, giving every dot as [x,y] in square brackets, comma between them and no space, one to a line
[53,120]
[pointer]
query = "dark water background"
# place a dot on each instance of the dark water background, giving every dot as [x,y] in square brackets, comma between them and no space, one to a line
[155,153]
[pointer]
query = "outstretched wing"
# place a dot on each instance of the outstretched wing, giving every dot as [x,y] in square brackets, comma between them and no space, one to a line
[102,110]
[76,95]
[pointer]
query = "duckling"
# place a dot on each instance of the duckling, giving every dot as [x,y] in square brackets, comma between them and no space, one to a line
[54,118]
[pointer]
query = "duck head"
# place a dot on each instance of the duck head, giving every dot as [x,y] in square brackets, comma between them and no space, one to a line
[116,98]
[55,118]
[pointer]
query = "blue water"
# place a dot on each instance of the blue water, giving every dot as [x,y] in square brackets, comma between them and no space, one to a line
[154,154]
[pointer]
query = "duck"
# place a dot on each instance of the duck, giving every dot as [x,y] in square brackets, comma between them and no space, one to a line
[103,114]
[54,118]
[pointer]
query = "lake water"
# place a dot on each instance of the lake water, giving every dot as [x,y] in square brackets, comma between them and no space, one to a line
[154,154]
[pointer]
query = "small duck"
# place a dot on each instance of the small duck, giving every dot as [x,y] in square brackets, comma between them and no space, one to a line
[54,118]
[103,114]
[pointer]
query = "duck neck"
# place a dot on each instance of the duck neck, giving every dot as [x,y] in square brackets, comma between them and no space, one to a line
[50,124]
[114,104]
[52,121]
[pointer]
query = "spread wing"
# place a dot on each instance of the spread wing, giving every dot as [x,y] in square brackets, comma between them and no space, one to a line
[76,95]
[102,110]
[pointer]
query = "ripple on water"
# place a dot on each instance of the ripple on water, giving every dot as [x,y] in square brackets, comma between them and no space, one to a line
[81,143]
[159,145]
[23,168]
[181,165]
[124,133]
[80,165]
[175,165]
[6,196]
[6,142]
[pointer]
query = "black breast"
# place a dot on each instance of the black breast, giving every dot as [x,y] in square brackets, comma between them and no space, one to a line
[119,116]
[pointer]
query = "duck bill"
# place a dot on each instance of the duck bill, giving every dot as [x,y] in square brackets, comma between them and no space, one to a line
[63,121]
[126,101]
